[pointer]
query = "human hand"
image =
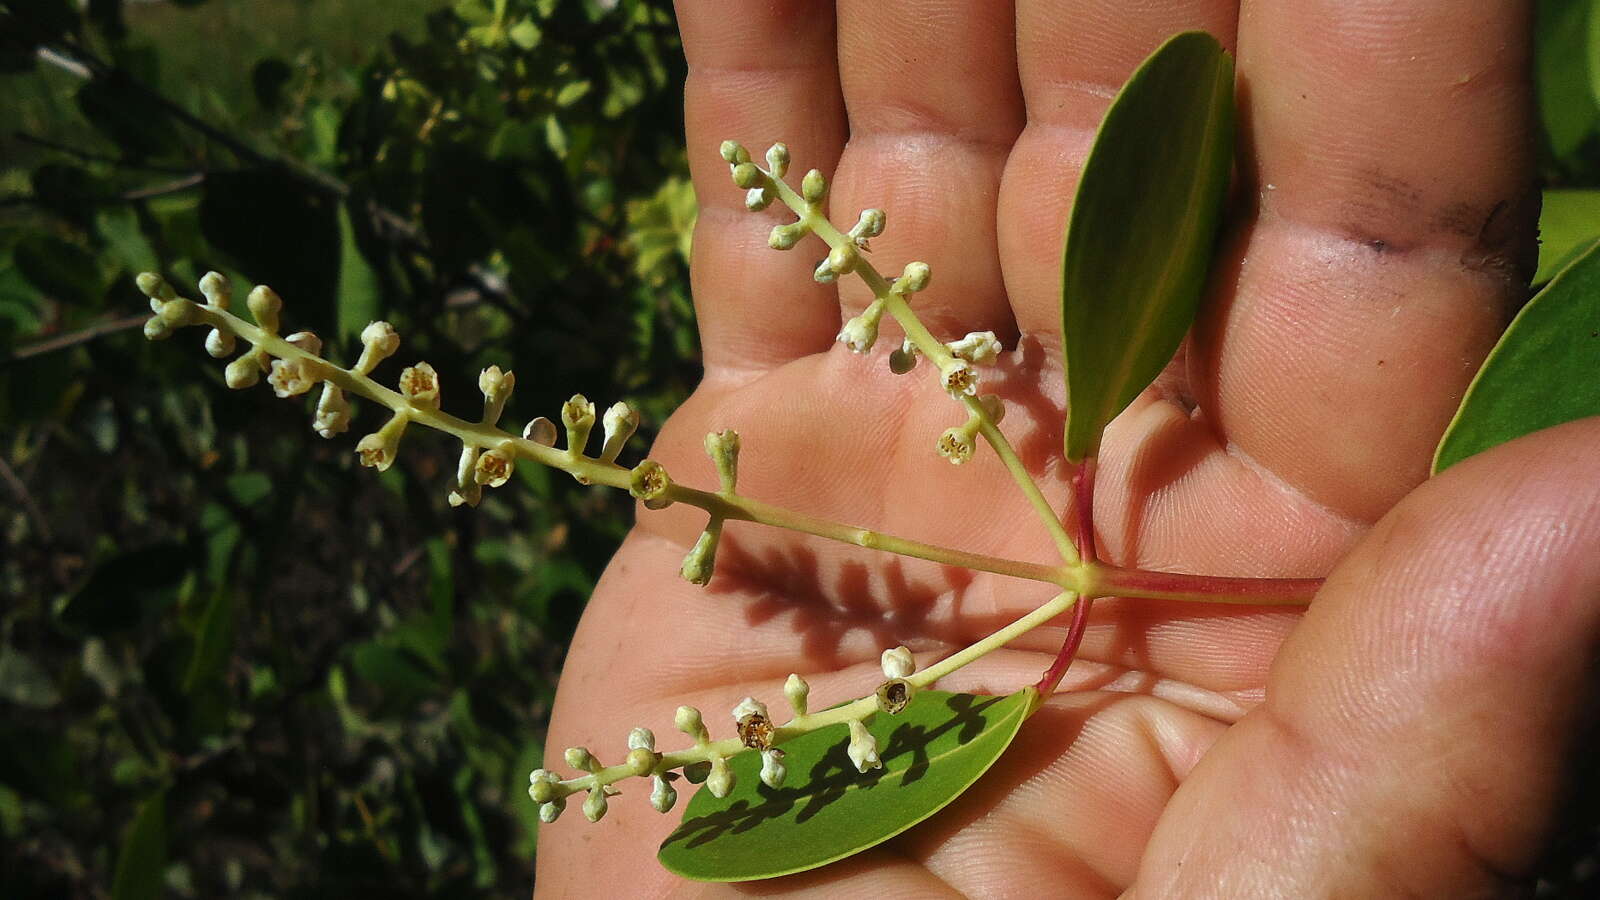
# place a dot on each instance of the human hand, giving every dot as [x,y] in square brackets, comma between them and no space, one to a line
[1374,259]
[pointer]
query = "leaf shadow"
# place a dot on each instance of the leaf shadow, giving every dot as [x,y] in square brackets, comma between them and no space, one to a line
[833,777]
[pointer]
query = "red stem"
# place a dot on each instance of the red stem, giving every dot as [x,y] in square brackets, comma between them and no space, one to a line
[1069,648]
[1115,580]
[1083,500]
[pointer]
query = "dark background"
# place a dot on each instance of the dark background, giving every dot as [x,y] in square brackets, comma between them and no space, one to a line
[233,663]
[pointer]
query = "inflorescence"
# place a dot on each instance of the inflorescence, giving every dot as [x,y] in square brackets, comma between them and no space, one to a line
[293,366]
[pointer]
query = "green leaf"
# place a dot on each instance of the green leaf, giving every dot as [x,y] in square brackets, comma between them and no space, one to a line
[826,810]
[142,861]
[1143,226]
[1568,109]
[1545,370]
[213,644]
[59,270]
[1593,56]
[358,284]
[1570,219]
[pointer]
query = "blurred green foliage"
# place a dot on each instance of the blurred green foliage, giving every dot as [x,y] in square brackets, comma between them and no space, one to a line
[232,663]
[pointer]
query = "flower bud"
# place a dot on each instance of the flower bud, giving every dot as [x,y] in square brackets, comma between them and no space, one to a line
[333,412]
[641,739]
[157,328]
[861,332]
[581,759]
[746,175]
[843,259]
[290,378]
[467,491]
[723,448]
[869,225]
[978,347]
[897,662]
[814,187]
[648,481]
[378,342]
[217,290]
[542,785]
[824,273]
[689,722]
[778,159]
[155,287]
[662,796]
[701,560]
[495,467]
[773,771]
[496,388]
[220,343]
[179,312]
[797,691]
[620,422]
[734,153]
[758,198]
[305,340]
[640,761]
[720,782]
[541,431]
[578,415]
[549,812]
[913,278]
[594,806]
[266,306]
[243,372]
[863,749]
[420,385]
[784,237]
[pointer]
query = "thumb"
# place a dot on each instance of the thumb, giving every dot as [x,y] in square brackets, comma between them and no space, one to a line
[1418,721]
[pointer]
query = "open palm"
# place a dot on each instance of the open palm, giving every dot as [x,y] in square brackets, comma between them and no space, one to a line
[1383,220]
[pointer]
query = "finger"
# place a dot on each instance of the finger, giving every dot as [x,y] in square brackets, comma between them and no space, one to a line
[1073,55]
[1389,148]
[1416,724]
[764,73]
[931,90]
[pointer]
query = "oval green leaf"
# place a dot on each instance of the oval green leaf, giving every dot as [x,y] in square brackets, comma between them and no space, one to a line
[826,810]
[1569,219]
[1544,371]
[1143,227]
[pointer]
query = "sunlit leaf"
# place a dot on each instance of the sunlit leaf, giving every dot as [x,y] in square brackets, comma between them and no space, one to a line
[1545,370]
[1143,226]
[826,810]
[1569,220]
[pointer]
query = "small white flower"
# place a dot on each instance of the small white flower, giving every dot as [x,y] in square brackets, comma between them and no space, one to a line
[494,468]
[662,796]
[824,273]
[289,378]
[648,481]
[157,329]
[758,198]
[957,445]
[869,225]
[496,387]
[978,347]
[701,560]
[859,334]
[420,385]
[960,380]
[773,771]
[749,706]
[897,662]
[578,415]
[863,749]
[797,691]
